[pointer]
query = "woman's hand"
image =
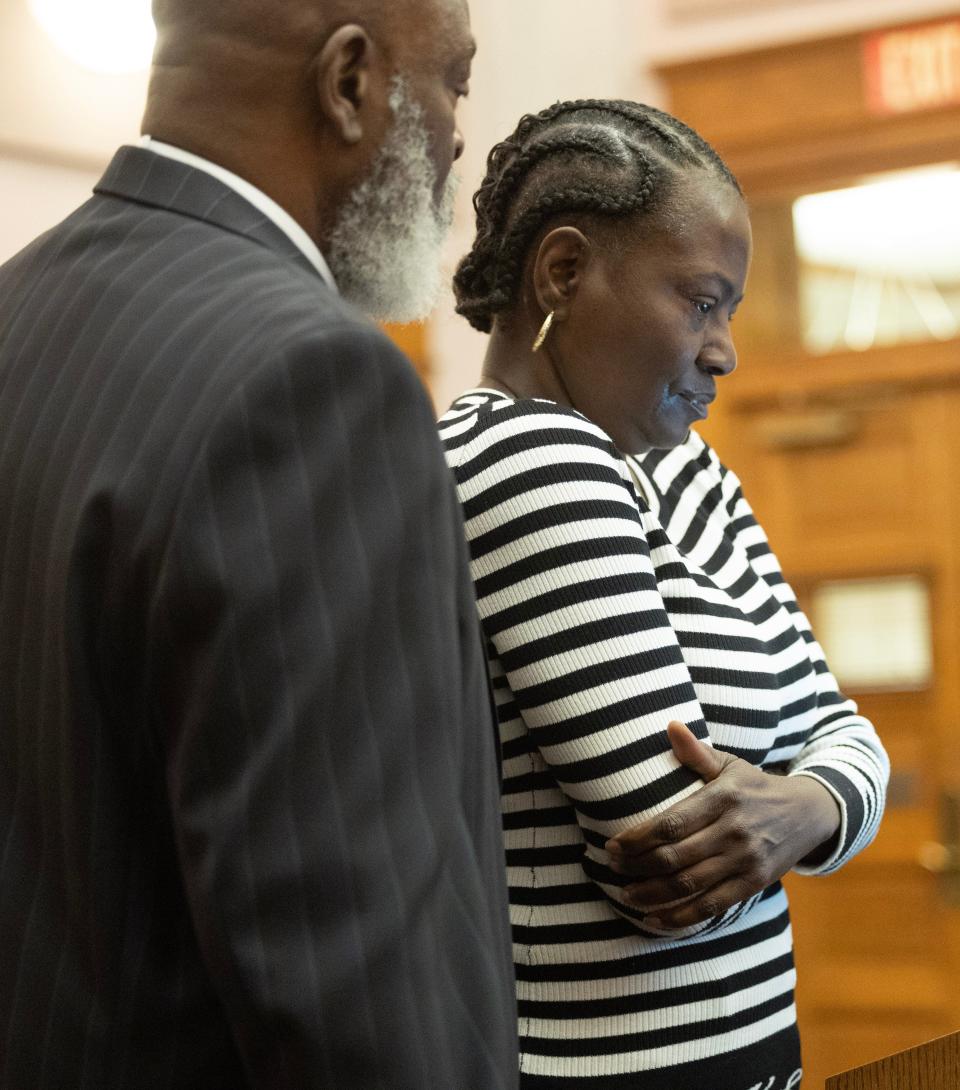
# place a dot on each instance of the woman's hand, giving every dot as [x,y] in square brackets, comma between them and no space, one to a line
[730,840]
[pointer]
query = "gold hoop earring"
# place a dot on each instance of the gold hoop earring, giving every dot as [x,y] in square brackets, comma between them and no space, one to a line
[542,335]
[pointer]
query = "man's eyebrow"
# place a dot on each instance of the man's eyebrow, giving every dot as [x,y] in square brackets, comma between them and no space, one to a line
[469,51]
[464,60]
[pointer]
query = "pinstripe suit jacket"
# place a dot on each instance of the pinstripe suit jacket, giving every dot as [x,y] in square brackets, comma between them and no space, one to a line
[249,827]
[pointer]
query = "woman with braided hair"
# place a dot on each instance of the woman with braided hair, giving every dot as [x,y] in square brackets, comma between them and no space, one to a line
[673,742]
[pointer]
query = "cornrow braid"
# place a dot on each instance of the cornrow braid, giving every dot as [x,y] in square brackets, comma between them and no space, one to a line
[509,262]
[491,208]
[608,158]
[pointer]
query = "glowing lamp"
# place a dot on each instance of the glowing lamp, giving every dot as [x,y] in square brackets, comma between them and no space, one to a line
[108,36]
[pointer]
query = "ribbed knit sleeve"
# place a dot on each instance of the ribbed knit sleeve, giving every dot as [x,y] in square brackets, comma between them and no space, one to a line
[841,749]
[566,578]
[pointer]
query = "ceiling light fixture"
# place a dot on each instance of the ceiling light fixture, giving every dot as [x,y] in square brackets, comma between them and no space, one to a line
[107,36]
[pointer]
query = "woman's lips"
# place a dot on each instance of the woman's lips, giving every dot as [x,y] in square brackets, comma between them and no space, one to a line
[698,402]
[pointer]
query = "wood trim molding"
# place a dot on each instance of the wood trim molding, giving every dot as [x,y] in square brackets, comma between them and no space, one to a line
[709,10]
[797,380]
[789,116]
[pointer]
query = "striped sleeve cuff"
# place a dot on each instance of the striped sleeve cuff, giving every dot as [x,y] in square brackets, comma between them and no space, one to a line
[860,799]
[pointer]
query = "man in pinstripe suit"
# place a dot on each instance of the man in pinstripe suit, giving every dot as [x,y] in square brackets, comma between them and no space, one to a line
[249,825]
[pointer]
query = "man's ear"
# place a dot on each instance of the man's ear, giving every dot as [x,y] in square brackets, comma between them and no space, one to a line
[558,269]
[343,80]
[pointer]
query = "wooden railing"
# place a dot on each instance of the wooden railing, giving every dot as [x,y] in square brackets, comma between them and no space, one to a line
[932,1066]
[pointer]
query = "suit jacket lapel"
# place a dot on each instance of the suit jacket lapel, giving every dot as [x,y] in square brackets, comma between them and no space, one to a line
[137,174]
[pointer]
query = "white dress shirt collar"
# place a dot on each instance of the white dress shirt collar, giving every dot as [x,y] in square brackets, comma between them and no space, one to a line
[256,197]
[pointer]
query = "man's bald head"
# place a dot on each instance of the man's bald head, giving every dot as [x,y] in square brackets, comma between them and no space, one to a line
[294,95]
[188,28]
[246,42]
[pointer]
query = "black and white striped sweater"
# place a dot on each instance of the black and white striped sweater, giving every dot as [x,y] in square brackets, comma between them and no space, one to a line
[618,594]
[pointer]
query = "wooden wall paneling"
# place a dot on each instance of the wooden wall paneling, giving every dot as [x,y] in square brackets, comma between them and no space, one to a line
[774,311]
[852,463]
[789,117]
[412,340]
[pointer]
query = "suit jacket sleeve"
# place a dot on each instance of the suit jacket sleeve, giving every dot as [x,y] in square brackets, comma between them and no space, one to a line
[310,681]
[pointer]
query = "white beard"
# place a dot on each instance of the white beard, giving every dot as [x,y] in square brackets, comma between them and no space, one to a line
[384,249]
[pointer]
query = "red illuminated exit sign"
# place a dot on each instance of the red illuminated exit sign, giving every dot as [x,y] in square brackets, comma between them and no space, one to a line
[914,68]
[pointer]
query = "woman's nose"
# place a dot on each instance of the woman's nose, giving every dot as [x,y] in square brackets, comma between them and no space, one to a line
[719,355]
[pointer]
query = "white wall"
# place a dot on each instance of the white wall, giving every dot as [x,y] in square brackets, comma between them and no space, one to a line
[35,196]
[59,125]
[51,107]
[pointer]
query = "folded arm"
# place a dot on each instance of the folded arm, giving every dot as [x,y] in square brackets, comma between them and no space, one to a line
[569,597]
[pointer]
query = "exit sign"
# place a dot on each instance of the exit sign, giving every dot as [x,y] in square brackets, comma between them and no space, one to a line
[914,68]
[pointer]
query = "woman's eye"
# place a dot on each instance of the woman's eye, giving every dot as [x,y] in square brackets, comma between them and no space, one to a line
[704,306]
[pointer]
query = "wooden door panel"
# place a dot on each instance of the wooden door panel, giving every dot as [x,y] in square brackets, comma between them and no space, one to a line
[852,463]
[878,946]
[841,506]
[880,900]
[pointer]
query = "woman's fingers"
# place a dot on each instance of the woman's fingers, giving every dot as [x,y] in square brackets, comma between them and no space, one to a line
[713,902]
[669,830]
[653,893]
[686,817]
[696,755]
[741,831]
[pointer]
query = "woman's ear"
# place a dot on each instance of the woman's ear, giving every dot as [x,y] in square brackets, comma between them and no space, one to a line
[344,73]
[558,269]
